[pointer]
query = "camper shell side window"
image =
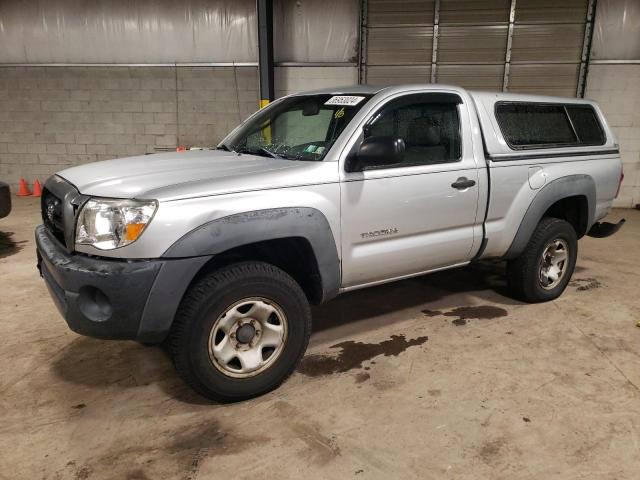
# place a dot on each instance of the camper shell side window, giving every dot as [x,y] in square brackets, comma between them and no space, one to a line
[533,125]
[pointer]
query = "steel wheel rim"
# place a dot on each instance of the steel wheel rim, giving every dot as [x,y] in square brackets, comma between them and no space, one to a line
[229,351]
[553,263]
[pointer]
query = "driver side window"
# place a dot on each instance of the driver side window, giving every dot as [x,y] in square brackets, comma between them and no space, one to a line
[429,127]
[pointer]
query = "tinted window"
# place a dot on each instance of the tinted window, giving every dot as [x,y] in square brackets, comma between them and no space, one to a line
[529,124]
[430,129]
[586,124]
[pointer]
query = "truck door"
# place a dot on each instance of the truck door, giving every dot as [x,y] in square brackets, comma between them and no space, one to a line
[417,215]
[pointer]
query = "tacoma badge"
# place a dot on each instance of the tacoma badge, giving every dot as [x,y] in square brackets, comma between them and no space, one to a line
[379,233]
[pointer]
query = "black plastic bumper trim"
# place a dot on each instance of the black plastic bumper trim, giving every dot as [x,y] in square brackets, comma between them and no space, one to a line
[114,299]
[605,229]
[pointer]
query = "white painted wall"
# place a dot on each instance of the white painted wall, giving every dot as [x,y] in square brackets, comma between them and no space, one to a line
[617,89]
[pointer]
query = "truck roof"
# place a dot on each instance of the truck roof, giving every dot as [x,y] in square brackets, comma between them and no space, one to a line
[373,89]
[523,97]
[478,95]
[363,89]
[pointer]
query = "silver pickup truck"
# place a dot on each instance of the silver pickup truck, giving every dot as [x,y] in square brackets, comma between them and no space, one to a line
[220,253]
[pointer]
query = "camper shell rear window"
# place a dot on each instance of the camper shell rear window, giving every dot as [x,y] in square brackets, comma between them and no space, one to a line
[529,125]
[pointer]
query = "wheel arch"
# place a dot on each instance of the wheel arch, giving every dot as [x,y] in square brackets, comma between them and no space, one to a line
[298,240]
[571,198]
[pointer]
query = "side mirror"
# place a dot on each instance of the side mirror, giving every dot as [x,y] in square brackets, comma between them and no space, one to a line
[376,151]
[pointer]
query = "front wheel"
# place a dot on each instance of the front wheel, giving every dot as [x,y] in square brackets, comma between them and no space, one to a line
[240,331]
[543,270]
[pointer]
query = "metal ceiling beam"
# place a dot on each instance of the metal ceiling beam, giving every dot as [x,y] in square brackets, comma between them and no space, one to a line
[362,42]
[586,48]
[265,51]
[434,45]
[507,55]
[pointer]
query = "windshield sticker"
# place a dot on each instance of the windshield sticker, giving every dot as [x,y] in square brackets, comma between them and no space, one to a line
[339,113]
[346,100]
[310,149]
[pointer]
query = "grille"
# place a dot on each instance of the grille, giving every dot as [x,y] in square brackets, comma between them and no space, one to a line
[53,215]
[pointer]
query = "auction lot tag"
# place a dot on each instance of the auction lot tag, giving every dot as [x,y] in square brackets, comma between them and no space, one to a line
[346,100]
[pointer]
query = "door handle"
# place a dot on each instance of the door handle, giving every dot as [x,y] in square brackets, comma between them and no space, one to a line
[462,183]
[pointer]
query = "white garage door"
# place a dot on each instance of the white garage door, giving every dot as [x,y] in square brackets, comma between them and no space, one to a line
[536,46]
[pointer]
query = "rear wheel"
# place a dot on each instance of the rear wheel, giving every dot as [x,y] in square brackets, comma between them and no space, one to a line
[543,270]
[240,331]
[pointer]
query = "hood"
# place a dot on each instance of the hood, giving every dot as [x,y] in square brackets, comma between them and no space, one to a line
[197,173]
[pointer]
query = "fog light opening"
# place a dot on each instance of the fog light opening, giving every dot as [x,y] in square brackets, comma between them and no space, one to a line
[94,304]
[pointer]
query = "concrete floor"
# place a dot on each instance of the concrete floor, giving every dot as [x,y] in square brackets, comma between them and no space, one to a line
[436,377]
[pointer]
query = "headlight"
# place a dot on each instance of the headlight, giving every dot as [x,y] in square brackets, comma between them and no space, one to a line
[109,224]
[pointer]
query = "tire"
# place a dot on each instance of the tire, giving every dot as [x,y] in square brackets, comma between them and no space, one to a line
[200,321]
[525,274]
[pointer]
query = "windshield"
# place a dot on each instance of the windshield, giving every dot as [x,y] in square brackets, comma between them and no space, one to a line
[303,127]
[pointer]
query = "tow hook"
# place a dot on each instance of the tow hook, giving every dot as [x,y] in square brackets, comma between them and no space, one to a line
[604,229]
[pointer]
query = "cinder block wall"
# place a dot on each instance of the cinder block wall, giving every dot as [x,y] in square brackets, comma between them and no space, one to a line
[616,88]
[55,117]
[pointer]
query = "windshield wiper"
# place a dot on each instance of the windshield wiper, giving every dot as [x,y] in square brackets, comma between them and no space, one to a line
[268,153]
[224,147]
[258,151]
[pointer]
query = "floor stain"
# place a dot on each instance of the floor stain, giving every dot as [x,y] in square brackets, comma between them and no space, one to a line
[137,475]
[8,246]
[463,314]
[207,435]
[83,473]
[187,446]
[196,462]
[324,449]
[353,354]
[321,448]
[491,450]
[209,439]
[585,284]
[362,377]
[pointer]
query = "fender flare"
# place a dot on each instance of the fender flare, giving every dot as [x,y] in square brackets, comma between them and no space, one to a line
[244,228]
[563,187]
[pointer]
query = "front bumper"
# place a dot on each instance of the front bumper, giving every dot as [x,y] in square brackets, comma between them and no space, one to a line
[114,299]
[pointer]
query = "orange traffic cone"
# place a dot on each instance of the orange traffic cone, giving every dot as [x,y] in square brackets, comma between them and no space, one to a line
[23,190]
[37,188]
